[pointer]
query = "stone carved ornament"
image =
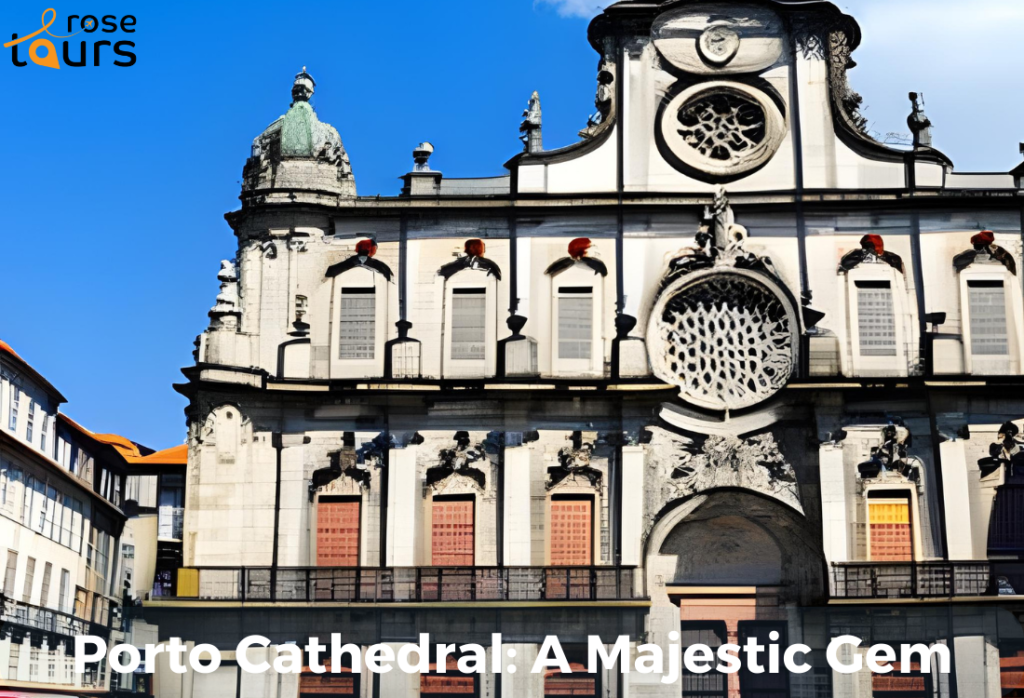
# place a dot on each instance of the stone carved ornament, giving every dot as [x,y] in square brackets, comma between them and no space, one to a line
[459,461]
[890,459]
[872,251]
[985,251]
[1007,452]
[574,464]
[724,329]
[687,466]
[355,464]
[604,99]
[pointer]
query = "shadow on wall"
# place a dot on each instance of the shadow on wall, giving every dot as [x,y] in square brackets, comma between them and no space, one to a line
[737,538]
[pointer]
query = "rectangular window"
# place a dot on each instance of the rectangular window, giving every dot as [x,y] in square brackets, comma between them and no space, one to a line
[891,530]
[30,424]
[337,532]
[44,590]
[572,530]
[44,425]
[13,660]
[30,578]
[575,322]
[987,300]
[358,332]
[469,319]
[452,540]
[171,507]
[10,573]
[15,403]
[876,319]
[64,603]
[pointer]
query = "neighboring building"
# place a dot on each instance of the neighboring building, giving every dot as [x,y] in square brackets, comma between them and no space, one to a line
[728,366]
[62,526]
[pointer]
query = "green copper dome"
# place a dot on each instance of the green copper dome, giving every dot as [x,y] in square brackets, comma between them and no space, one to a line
[298,151]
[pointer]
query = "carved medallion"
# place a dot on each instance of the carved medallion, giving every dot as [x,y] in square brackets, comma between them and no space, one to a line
[719,44]
[720,130]
[727,339]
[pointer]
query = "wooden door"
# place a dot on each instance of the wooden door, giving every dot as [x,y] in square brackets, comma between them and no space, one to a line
[572,532]
[337,533]
[452,540]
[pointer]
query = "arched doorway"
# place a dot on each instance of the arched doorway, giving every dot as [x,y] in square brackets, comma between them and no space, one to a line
[734,561]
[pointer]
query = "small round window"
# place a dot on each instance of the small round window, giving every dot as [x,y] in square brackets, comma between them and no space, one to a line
[722,129]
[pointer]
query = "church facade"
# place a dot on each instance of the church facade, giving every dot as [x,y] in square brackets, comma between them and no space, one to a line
[726,367]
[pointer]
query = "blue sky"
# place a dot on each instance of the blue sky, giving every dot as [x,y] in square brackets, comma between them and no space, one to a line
[115,180]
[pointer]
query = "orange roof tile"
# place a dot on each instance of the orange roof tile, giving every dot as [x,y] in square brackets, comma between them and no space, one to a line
[177,455]
[125,447]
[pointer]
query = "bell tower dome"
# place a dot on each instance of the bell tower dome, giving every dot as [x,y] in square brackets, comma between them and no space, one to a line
[298,153]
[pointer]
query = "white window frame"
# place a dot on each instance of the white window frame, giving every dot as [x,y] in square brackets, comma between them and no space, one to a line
[361,278]
[30,422]
[856,364]
[1011,363]
[578,276]
[471,280]
[13,404]
[915,514]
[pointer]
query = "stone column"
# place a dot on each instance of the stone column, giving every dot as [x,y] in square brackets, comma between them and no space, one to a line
[632,520]
[517,507]
[957,494]
[396,683]
[835,504]
[522,683]
[404,509]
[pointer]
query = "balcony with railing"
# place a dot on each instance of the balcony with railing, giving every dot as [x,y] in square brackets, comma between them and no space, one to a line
[926,580]
[34,619]
[409,584]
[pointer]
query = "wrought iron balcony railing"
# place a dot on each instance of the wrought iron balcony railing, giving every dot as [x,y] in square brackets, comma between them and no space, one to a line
[408,584]
[911,580]
[45,620]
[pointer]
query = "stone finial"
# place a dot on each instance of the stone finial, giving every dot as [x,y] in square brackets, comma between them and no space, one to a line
[303,87]
[531,126]
[421,156]
[919,124]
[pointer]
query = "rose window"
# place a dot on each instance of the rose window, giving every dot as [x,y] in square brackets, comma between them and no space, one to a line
[722,126]
[721,130]
[726,339]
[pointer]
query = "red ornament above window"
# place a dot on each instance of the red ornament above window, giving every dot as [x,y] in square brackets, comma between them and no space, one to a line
[475,247]
[873,243]
[983,239]
[366,248]
[579,248]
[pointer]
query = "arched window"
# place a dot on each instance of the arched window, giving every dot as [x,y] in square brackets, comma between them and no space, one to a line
[991,308]
[361,298]
[879,312]
[577,312]
[470,320]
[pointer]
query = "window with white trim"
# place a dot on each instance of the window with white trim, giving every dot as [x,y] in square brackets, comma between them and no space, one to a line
[30,576]
[987,304]
[43,430]
[876,318]
[15,403]
[358,325]
[10,573]
[575,322]
[469,324]
[30,424]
